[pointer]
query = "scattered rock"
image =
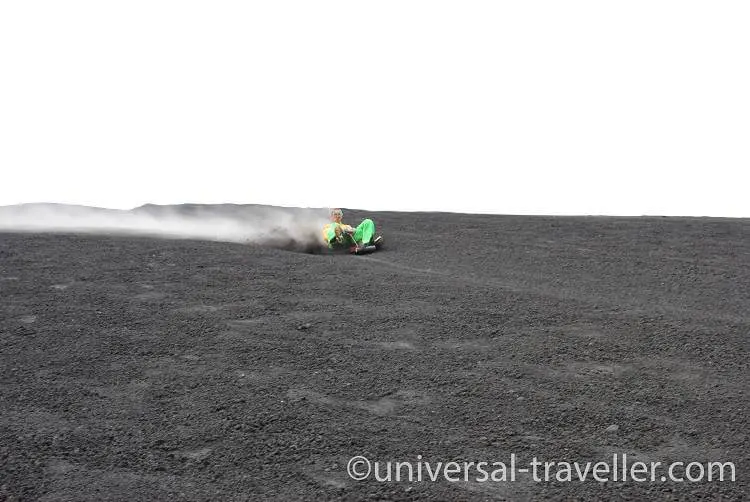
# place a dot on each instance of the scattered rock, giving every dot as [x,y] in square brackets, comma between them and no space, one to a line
[307,325]
[613,428]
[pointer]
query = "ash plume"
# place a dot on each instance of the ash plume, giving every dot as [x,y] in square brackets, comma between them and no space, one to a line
[294,229]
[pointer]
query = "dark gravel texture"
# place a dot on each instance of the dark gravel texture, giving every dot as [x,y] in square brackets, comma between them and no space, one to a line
[151,369]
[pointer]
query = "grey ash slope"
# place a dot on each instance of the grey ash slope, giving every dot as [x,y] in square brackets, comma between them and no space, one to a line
[140,369]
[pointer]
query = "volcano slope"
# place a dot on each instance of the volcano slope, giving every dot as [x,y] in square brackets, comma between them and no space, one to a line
[140,369]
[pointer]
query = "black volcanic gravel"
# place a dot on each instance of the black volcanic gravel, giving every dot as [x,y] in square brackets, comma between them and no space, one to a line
[147,369]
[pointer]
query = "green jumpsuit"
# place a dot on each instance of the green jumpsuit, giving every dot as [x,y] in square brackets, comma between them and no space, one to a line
[363,234]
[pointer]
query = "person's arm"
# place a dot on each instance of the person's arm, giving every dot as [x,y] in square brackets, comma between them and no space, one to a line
[330,232]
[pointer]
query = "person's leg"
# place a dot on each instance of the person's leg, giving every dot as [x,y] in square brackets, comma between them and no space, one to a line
[365,232]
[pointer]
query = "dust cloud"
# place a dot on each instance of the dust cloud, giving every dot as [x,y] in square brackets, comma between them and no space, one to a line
[294,229]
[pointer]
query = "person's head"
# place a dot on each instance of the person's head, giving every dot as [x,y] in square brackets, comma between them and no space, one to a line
[337,215]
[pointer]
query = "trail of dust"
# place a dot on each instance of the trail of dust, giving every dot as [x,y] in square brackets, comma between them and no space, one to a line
[288,228]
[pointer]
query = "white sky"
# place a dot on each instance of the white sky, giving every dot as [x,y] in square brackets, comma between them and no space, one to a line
[523,107]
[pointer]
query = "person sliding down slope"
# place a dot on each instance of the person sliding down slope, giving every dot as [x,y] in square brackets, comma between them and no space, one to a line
[338,235]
